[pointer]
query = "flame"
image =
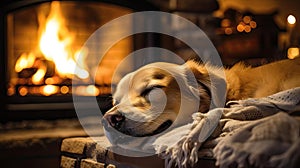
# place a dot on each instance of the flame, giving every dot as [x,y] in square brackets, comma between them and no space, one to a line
[38,77]
[56,45]
[49,90]
[24,61]
[293,52]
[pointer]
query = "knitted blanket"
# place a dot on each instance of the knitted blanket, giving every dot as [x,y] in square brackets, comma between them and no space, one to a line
[247,133]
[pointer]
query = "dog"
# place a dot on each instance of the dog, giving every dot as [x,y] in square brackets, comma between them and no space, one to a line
[153,98]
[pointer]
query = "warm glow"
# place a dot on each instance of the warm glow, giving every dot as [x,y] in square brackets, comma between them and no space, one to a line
[64,89]
[228,31]
[291,19]
[247,29]
[92,90]
[56,64]
[38,77]
[240,28]
[24,61]
[56,45]
[253,24]
[225,23]
[247,19]
[10,91]
[23,91]
[293,52]
[49,90]
[50,81]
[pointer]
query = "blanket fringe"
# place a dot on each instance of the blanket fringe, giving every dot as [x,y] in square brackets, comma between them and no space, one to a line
[227,120]
[184,154]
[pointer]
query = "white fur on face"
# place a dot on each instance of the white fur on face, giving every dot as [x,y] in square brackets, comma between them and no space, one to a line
[153,95]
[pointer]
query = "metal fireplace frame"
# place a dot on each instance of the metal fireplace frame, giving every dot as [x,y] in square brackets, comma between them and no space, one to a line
[46,107]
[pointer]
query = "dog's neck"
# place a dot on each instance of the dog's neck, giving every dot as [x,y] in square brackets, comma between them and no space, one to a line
[217,85]
[211,85]
[237,79]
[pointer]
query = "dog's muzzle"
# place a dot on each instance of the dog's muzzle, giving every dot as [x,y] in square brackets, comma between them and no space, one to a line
[115,119]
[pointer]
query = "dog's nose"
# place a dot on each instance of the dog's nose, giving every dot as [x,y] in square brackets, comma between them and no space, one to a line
[115,119]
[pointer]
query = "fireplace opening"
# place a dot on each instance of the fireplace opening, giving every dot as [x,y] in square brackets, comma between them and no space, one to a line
[44,42]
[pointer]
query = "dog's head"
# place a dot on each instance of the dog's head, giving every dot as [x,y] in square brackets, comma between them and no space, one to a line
[149,100]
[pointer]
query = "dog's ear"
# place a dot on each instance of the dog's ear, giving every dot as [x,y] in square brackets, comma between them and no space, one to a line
[199,72]
[212,78]
[196,72]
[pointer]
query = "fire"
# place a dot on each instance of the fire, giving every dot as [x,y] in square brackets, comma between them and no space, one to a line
[55,59]
[24,61]
[38,77]
[49,90]
[56,45]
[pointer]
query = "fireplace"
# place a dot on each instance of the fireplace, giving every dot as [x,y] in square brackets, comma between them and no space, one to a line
[41,43]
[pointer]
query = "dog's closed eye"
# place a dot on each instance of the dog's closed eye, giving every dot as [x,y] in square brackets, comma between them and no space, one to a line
[147,90]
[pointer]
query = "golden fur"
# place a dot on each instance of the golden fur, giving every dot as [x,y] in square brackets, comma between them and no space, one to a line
[149,100]
[247,82]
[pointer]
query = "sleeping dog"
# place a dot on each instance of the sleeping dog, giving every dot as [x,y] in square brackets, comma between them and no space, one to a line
[150,99]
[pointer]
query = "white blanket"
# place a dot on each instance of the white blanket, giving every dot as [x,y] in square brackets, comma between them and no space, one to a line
[247,133]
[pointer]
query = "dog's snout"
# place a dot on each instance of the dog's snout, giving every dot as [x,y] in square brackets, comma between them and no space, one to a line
[115,119]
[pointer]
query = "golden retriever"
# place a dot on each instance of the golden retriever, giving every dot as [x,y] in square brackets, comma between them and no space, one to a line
[150,99]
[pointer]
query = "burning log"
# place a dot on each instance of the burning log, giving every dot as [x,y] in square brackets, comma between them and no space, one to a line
[27,72]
